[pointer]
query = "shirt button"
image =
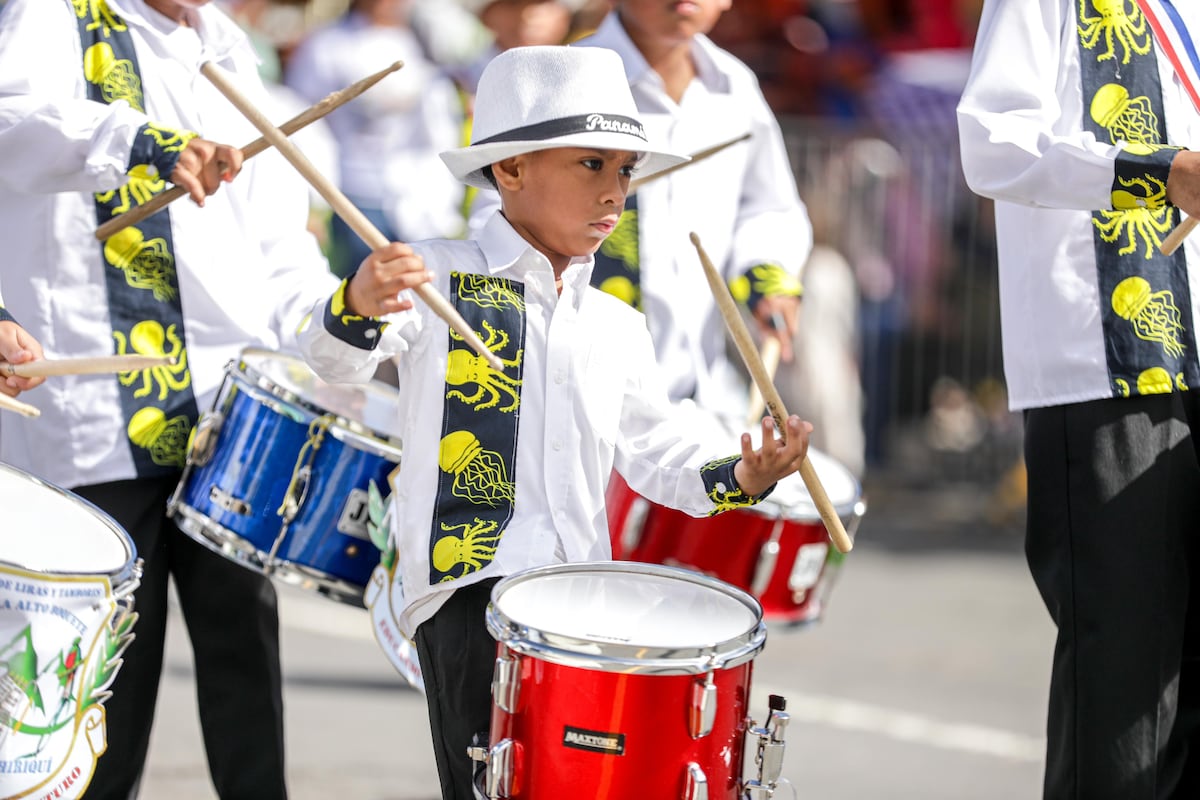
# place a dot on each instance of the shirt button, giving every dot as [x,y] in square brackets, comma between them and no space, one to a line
[557,445]
[560,377]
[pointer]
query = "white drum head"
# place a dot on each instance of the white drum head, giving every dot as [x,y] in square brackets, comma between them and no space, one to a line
[791,499]
[373,405]
[47,529]
[639,606]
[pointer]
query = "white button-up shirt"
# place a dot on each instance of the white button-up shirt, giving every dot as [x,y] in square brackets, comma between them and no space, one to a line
[248,271]
[1023,144]
[743,204]
[591,398]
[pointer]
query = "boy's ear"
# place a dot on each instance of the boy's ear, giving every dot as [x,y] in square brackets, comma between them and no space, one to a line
[508,173]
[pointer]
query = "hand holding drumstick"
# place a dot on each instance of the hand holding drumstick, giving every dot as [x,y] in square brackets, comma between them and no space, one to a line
[18,347]
[745,346]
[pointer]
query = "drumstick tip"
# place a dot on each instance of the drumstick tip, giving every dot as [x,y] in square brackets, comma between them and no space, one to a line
[695,239]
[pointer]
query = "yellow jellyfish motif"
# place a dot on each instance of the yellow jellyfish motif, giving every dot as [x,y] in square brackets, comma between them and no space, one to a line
[142,185]
[115,77]
[475,547]
[1130,119]
[1155,380]
[487,292]
[149,339]
[480,475]
[1117,22]
[146,264]
[1154,315]
[166,440]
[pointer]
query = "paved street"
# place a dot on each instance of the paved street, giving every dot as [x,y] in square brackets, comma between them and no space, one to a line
[925,680]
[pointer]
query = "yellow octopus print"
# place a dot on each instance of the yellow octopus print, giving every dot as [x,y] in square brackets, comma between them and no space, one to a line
[465,366]
[148,338]
[1115,22]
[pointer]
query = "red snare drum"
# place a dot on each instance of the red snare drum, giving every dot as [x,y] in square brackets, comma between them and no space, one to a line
[631,680]
[777,550]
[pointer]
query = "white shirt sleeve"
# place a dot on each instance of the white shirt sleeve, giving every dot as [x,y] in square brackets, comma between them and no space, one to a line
[50,141]
[1020,134]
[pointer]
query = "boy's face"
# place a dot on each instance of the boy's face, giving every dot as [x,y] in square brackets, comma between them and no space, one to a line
[521,23]
[567,200]
[670,21]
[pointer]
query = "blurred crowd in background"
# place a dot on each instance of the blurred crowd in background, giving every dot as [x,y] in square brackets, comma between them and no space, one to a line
[865,91]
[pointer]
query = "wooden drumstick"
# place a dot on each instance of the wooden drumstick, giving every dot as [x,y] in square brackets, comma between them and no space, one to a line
[342,206]
[301,120]
[695,159]
[1176,237]
[84,366]
[11,404]
[769,353]
[745,345]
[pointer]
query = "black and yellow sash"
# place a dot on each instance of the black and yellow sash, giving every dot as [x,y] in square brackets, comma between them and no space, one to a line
[478,449]
[1149,337]
[157,404]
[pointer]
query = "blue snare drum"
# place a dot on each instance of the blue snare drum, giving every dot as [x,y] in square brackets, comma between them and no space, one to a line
[278,473]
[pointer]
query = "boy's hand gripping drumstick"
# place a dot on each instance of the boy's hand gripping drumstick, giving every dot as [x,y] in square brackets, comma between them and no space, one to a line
[342,206]
[45,367]
[745,345]
[301,120]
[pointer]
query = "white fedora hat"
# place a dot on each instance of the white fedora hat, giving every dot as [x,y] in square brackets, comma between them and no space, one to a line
[538,98]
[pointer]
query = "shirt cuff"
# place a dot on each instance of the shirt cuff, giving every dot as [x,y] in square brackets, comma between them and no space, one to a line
[1140,176]
[764,280]
[158,148]
[722,487]
[361,332]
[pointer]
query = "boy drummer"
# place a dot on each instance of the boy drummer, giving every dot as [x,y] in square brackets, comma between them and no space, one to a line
[505,471]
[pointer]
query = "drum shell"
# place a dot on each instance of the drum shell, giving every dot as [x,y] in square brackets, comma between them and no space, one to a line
[650,713]
[252,461]
[780,554]
[279,473]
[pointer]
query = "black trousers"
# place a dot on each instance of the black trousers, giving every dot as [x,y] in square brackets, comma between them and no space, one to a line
[457,656]
[233,623]
[1114,516]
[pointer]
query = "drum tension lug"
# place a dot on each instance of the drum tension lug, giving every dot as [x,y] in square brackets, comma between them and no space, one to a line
[704,707]
[696,783]
[769,752]
[506,682]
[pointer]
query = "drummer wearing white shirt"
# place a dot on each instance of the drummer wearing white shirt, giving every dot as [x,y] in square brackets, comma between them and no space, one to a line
[743,202]
[82,138]
[505,471]
[1073,120]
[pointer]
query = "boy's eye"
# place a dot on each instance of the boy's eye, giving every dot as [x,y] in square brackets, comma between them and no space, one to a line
[594,164]
[627,170]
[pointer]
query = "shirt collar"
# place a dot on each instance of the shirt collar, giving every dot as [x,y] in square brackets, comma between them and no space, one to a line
[612,34]
[509,255]
[219,34]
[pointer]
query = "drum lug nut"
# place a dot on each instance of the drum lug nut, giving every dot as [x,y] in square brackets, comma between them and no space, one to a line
[203,439]
[696,784]
[703,714]
[769,752]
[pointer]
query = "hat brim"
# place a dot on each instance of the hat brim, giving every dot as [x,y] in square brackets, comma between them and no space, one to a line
[467,163]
